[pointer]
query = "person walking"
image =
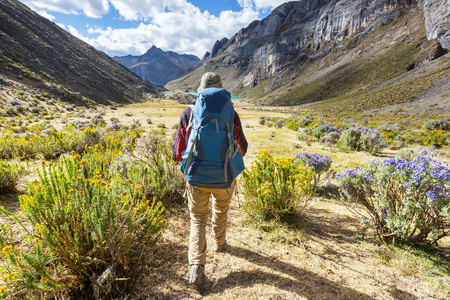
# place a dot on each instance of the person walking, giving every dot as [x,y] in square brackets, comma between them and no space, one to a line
[210,143]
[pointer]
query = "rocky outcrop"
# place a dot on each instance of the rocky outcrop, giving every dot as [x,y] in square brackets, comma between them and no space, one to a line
[437,20]
[304,30]
[158,66]
[216,49]
[33,43]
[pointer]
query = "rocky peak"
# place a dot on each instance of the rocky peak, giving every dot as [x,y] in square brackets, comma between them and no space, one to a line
[159,66]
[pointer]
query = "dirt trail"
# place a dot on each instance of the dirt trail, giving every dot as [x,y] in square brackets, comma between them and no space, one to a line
[324,259]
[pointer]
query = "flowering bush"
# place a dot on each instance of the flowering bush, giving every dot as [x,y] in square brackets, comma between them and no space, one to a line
[330,138]
[436,125]
[275,187]
[319,163]
[10,173]
[151,166]
[361,139]
[405,200]
[85,235]
[48,143]
[436,138]
[322,130]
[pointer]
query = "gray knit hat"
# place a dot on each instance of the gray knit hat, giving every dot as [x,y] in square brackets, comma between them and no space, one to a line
[210,80]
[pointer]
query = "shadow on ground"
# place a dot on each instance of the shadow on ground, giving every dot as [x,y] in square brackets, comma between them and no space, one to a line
[296,280]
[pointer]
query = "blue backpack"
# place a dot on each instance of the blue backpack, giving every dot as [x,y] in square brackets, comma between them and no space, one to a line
[212,158]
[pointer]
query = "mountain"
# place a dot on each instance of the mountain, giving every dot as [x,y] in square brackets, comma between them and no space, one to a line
[159,66]
[33,47]
[309,51]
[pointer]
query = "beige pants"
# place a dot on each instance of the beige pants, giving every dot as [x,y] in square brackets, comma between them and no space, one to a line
[199,209]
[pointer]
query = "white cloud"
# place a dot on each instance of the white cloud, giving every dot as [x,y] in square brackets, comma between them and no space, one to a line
[260,4]
[268,4]
[91,8]
[62,26]
[192,33]
[174,25]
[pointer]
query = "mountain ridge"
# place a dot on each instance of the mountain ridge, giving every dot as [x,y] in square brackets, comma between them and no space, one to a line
[159,66]
[32,43]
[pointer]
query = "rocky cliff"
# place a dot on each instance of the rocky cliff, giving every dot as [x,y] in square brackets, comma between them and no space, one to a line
[158,66]
[437,20]
[33,46]
[305,40]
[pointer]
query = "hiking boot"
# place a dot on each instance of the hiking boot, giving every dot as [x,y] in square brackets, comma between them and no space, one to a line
[196,274]
[221,248]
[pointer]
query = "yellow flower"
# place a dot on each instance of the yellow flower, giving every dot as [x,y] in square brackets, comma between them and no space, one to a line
[2,289]
[7,249]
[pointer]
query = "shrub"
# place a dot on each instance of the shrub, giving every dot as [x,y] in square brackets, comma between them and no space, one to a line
[361,139]
[85,235]
[151,166]
[350,140]
[279,123]
[330,138]
[436,125]
[293,125]
[320,163]
[275,188]
[305,122]
[322,130]
[10,173]
[436,137]
[49,143]
[262,121]
[406,201]
[98,120]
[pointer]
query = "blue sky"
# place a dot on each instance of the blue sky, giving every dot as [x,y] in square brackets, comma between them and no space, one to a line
[122,27]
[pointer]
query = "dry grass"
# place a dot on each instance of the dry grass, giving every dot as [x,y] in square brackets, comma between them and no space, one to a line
[324,254]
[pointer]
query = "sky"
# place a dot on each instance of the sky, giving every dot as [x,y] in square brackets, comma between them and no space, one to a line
[123,27]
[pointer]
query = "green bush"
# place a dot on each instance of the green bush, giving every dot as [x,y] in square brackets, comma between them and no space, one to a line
[87,236]
[436,125]
[361,139]
[10,173]
[405,200]
[151,167]
[275,188]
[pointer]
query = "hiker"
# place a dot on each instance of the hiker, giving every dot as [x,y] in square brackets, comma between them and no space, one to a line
[210,144]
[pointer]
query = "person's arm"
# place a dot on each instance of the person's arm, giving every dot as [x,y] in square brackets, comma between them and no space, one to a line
[239,134]
[179,143]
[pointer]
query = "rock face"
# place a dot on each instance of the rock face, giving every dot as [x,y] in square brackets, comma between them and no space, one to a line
[304,29]
[437,20]
[313,50]
[158,66]
[36,44]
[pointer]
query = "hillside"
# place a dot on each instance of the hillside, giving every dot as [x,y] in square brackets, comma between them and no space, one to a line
[159,66]
[36,52]
[311,51]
